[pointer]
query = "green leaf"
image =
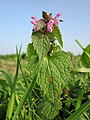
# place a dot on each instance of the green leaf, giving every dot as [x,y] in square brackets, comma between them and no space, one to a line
[30,50]
[58,35]
[41,44]
[77,114]
[56,48]
[40,24]
[85,58]
[53,74]
[47,110]
[32,58]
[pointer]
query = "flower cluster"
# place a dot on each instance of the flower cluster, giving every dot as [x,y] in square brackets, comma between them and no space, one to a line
[53,22]
[50,24]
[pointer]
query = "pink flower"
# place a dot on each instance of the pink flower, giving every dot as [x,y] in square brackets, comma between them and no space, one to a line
[34,23]
[53,22]
[56,19]
[33,17]
[50,25]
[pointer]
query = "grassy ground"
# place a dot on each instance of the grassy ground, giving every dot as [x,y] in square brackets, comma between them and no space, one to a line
[8,63]
[78,90]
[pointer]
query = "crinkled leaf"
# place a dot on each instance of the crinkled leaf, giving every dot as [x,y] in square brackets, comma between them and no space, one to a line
[47,110]
[51,36]
[56,48]
[41,44]
[53,74]
[32,58]
[58,35]
[85,58]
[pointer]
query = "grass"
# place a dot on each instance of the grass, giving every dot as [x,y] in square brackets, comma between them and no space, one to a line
[8,63]
[76,98]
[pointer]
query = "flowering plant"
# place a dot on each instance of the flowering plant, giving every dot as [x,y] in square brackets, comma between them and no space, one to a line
[53,86]
[49,63]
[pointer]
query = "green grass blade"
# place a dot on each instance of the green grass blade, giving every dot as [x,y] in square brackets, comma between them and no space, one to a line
[10,107]
[23,99]
[11,101]
[80,97]
[79,111]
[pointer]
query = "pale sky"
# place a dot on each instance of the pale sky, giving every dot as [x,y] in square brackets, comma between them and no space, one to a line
[15,25]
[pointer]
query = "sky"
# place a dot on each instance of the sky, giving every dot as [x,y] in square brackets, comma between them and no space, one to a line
[16,27]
